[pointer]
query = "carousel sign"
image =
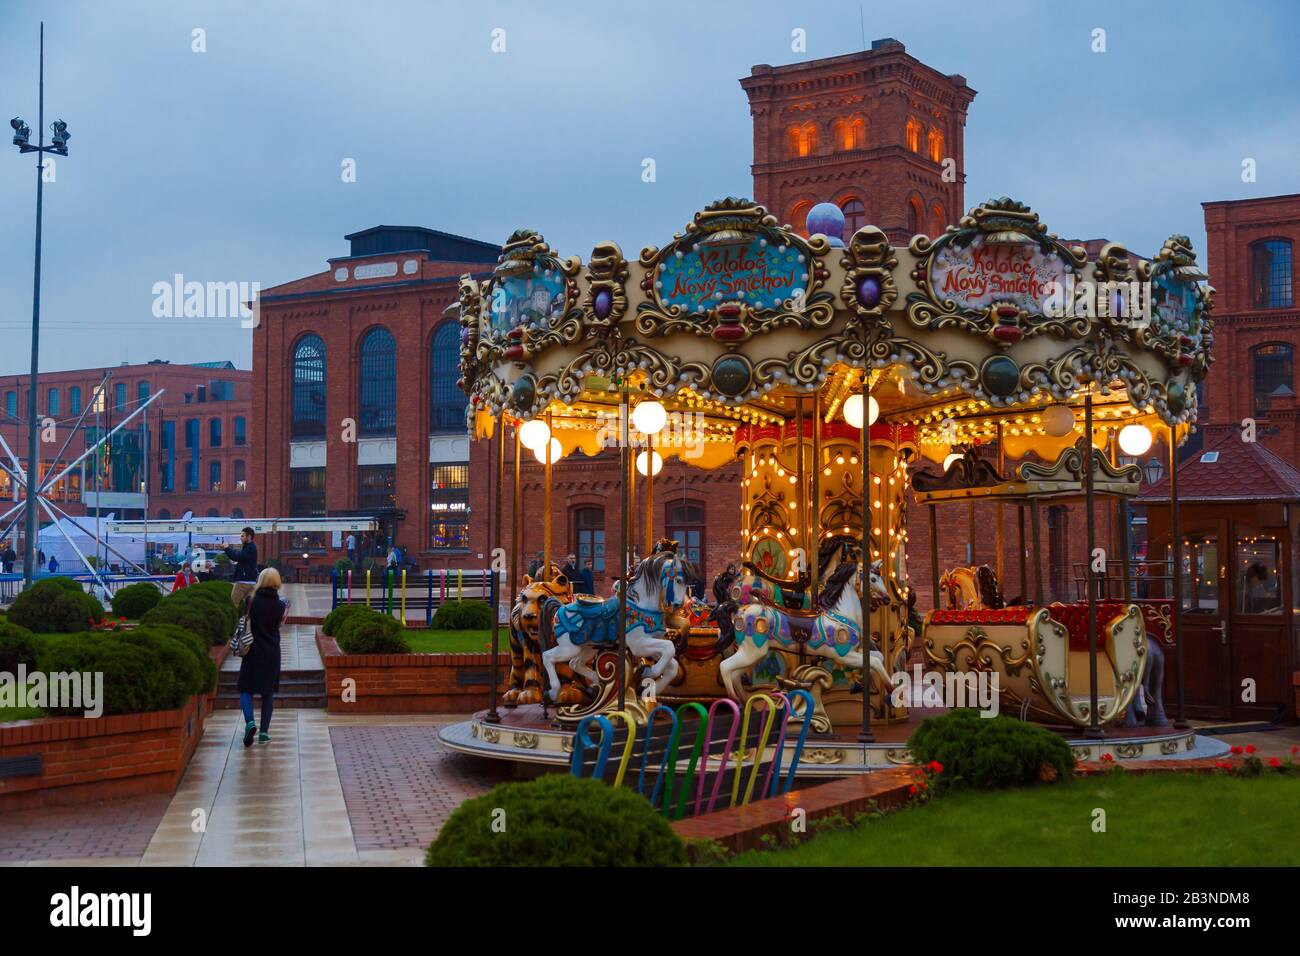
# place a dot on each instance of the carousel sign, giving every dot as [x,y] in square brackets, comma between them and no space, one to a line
[977,275]
[755,272]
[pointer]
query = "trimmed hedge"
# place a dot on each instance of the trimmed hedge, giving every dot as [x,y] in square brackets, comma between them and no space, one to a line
[371,633]
[19,646]
[556,820]
[136,600]
[203,608]
[55,606]
[145,669]
[989,752]
[462,616]
[335,618]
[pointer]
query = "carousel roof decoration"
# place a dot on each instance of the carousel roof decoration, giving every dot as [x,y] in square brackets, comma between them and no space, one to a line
[738,316]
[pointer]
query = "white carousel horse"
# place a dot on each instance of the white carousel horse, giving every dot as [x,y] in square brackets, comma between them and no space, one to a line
[835,631]
[581,628]
[974,588]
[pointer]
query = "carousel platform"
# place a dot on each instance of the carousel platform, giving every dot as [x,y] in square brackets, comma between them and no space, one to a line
[524,736]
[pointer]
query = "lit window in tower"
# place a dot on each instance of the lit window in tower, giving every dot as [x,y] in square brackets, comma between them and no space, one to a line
[914,135]
[936,145]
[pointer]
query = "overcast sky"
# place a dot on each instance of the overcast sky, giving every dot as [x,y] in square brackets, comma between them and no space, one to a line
[225,165]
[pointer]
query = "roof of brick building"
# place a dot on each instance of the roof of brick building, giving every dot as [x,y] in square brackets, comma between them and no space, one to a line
[1229,469]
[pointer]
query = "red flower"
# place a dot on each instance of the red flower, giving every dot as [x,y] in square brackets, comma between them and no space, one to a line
[912,789]
[1222,765]
[934,766]
[1274,762]
[1250,748]
[1107,758]
[1236,750]
[1295,750]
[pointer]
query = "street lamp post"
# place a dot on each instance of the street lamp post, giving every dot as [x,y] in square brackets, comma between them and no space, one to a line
[58,145]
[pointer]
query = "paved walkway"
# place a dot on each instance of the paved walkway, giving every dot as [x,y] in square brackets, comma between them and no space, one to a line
[298,650]
[326,791]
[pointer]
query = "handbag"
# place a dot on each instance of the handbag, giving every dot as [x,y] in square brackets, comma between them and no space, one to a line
[242,640]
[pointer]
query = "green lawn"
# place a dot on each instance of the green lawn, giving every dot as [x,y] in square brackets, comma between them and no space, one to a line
[453,642]
[1151,820]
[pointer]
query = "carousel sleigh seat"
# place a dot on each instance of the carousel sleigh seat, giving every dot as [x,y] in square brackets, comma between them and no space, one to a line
[1041,656]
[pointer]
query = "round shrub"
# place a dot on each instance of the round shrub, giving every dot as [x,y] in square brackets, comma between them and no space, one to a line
[334,619]
[210,623]
[990,752]
[372,633]
[55,606]
[18,646]
[216,590]
[205,679]
[557,820]
[462,616]
[135,680]
[135,600]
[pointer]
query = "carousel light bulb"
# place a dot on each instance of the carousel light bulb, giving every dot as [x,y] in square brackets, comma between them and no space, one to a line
[534,433]
[649,417]
[1135,439]
[1058,420]
[557,452]
[853,410]
[655,463]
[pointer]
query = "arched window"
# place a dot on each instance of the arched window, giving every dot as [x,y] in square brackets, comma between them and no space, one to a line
[937,220]
[142,392]
[378,384]
[214,432]
[237,513]
[850,132]
[936,145]
[164,515]
[799,217]
[241,430]
[855,217]
[449,402]
[214,513]
[119,397]
[803,139]
[1270,271]
[685,525]
[589,538]
[1272,370]
[914,135]
[11,403]
[308,397]
[241,480]
[915,215]
[74,400]
[52,403]
[214,476]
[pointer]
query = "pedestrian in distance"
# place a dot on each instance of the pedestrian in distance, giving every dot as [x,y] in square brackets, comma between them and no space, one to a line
[259,669]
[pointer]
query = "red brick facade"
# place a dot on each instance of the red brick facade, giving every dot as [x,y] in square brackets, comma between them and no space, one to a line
[1255,312]
[205,394]
[872,128]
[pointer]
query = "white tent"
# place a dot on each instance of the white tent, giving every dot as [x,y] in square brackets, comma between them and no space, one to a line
[53,540]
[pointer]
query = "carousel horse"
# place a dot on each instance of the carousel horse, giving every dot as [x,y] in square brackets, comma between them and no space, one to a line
[833,629]
[579,629]
[524,685]
[972,589]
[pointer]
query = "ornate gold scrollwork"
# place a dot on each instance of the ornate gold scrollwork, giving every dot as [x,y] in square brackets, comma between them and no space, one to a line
[606,301]
[869,262]
[733,319]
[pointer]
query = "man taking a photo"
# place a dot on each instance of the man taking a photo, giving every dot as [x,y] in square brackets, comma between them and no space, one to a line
[245,560]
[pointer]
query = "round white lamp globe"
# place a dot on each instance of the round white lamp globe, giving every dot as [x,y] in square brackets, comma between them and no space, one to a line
[853,410]
[534,433]
[649,417]
[1134,440]
[873,411]
[557,452]
[1058,420]
[656,463]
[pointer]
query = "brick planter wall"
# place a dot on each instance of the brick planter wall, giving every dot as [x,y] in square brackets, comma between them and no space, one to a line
[82,760]
[408,683]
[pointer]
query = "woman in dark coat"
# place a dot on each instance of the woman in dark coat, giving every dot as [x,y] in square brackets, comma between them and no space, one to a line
[259,670]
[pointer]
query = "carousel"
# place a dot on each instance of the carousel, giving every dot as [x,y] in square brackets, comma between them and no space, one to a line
[993,366]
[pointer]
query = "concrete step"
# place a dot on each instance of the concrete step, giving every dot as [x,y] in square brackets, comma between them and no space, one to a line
[302,689]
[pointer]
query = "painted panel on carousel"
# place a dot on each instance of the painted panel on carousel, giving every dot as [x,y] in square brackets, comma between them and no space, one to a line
[993,274]
[732,274]
[530,301]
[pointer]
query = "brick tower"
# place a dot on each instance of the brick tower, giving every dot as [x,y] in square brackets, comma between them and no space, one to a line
[868,131]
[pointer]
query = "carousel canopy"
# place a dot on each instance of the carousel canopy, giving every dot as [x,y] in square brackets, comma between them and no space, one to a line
[994,329]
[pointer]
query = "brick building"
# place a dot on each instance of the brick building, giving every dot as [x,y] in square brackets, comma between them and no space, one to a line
[869,131]
[189,451]
[1256,322]
[348,422]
